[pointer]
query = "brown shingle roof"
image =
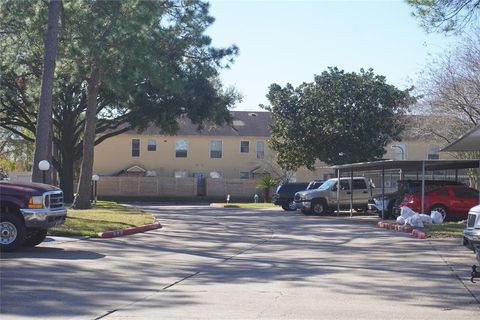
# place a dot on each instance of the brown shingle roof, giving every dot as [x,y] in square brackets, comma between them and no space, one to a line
[245,123]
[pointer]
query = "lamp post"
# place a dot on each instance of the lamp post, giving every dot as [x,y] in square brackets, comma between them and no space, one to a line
[44,166]
[95,179]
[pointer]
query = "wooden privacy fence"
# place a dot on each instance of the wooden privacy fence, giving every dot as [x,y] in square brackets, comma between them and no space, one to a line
[173,187]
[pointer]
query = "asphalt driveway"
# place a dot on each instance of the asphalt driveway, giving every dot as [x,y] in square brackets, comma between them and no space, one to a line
[208,263]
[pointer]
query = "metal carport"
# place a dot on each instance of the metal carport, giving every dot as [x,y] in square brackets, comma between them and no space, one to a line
[410,165]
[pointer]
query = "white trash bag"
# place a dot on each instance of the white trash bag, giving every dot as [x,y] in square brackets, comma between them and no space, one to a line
[415,221]
[437,217]
[426,219]
[400,220]
[406,212]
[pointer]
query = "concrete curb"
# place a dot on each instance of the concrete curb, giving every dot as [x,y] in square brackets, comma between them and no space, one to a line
[128,231]
[399,228]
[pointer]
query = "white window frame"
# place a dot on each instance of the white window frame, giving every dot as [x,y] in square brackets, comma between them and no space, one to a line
[433,150]
[221,149]
[247,172]
[177,150]
[397,153]
[257,151]
[139,147]
[248,146]
[154,144]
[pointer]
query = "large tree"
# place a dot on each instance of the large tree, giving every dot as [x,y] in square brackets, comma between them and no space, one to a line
[339,118]
[450,90]
[149,60]
[43,141]
[446,15]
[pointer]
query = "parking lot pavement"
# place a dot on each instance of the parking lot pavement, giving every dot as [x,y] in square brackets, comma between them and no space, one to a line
[208,263]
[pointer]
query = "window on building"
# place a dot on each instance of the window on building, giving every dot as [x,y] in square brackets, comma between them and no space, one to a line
[245,175]
[135,147]
[215,149]
[152,145]
[399,151]
[244,146]
[432,152]
[260,149]
[181,148]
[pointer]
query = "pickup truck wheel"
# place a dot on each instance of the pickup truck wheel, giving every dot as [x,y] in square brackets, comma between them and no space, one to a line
[12,231]
[319,207]
[35,238]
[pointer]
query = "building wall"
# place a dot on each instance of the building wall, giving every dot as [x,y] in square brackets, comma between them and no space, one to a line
[115,154]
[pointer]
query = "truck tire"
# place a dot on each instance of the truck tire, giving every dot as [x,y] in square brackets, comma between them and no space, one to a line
[319,207]
[12,231]
[35,237]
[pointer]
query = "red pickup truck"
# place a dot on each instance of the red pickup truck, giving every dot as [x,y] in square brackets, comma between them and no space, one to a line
[27,210]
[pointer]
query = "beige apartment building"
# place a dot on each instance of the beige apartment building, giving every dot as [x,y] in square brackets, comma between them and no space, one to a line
[239,151]
[236,154]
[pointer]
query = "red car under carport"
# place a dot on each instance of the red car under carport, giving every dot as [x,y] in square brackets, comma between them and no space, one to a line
[453,202]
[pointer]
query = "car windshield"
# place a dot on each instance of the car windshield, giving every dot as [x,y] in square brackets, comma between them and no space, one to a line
[327,184]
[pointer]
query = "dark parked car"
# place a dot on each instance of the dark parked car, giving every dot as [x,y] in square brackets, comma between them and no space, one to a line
[285,192]
[391,202]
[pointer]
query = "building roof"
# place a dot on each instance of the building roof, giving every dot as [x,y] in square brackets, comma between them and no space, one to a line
[470,141]
[245,123]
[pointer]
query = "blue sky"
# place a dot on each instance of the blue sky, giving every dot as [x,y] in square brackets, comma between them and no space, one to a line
[290,41]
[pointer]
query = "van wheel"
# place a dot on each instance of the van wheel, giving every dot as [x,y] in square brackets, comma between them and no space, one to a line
[442,209]
[35,238]
[319,207]
[12,231]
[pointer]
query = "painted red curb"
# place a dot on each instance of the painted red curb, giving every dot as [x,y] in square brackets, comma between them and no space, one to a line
[128,231]
[399,228]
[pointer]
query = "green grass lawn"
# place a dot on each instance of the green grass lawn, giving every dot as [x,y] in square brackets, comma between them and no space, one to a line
[104,217]
[444,230]
[451,229]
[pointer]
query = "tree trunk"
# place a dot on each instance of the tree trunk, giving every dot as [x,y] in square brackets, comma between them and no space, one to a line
[67,154]
[43,141]
[66,177]
[82,199]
